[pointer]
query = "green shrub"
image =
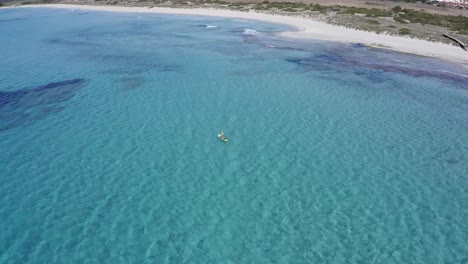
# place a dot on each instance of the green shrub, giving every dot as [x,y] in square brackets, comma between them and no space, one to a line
[372,22]
[423,18]
[260,7]
[289,9]
[335,8]
[397,9]
[318,7]
[404,31]
[458,23]
[399,20]
[369,12]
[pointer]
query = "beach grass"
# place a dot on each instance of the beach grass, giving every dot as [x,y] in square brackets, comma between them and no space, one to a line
[372,22]
[404,31]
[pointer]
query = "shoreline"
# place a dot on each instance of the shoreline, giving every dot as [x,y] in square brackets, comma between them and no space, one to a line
[305,29]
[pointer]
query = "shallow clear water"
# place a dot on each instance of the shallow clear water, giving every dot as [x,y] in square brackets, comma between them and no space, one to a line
[337,153]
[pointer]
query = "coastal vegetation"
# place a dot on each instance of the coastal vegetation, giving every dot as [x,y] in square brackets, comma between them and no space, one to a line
[404,31]
[374,12]
[350,17]
[400,20]
[372,22]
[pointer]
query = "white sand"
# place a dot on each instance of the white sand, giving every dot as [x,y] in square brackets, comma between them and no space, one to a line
[307,29]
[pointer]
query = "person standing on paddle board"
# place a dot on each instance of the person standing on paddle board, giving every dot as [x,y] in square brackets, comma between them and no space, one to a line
[222,134]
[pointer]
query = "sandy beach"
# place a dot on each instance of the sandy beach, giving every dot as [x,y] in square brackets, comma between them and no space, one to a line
[306,29]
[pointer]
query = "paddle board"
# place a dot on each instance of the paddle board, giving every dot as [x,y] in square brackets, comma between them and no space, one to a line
[223,139]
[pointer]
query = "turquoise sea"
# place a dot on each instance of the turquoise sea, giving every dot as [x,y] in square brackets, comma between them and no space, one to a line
[337,153]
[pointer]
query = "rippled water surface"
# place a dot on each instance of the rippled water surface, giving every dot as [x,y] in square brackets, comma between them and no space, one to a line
[337,153]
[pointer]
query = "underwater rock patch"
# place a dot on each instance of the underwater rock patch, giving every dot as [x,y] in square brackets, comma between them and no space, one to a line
[129,84]
[28,105]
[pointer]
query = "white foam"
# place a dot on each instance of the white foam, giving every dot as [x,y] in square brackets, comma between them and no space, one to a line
[210,26]
[454,73]
[251,32]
